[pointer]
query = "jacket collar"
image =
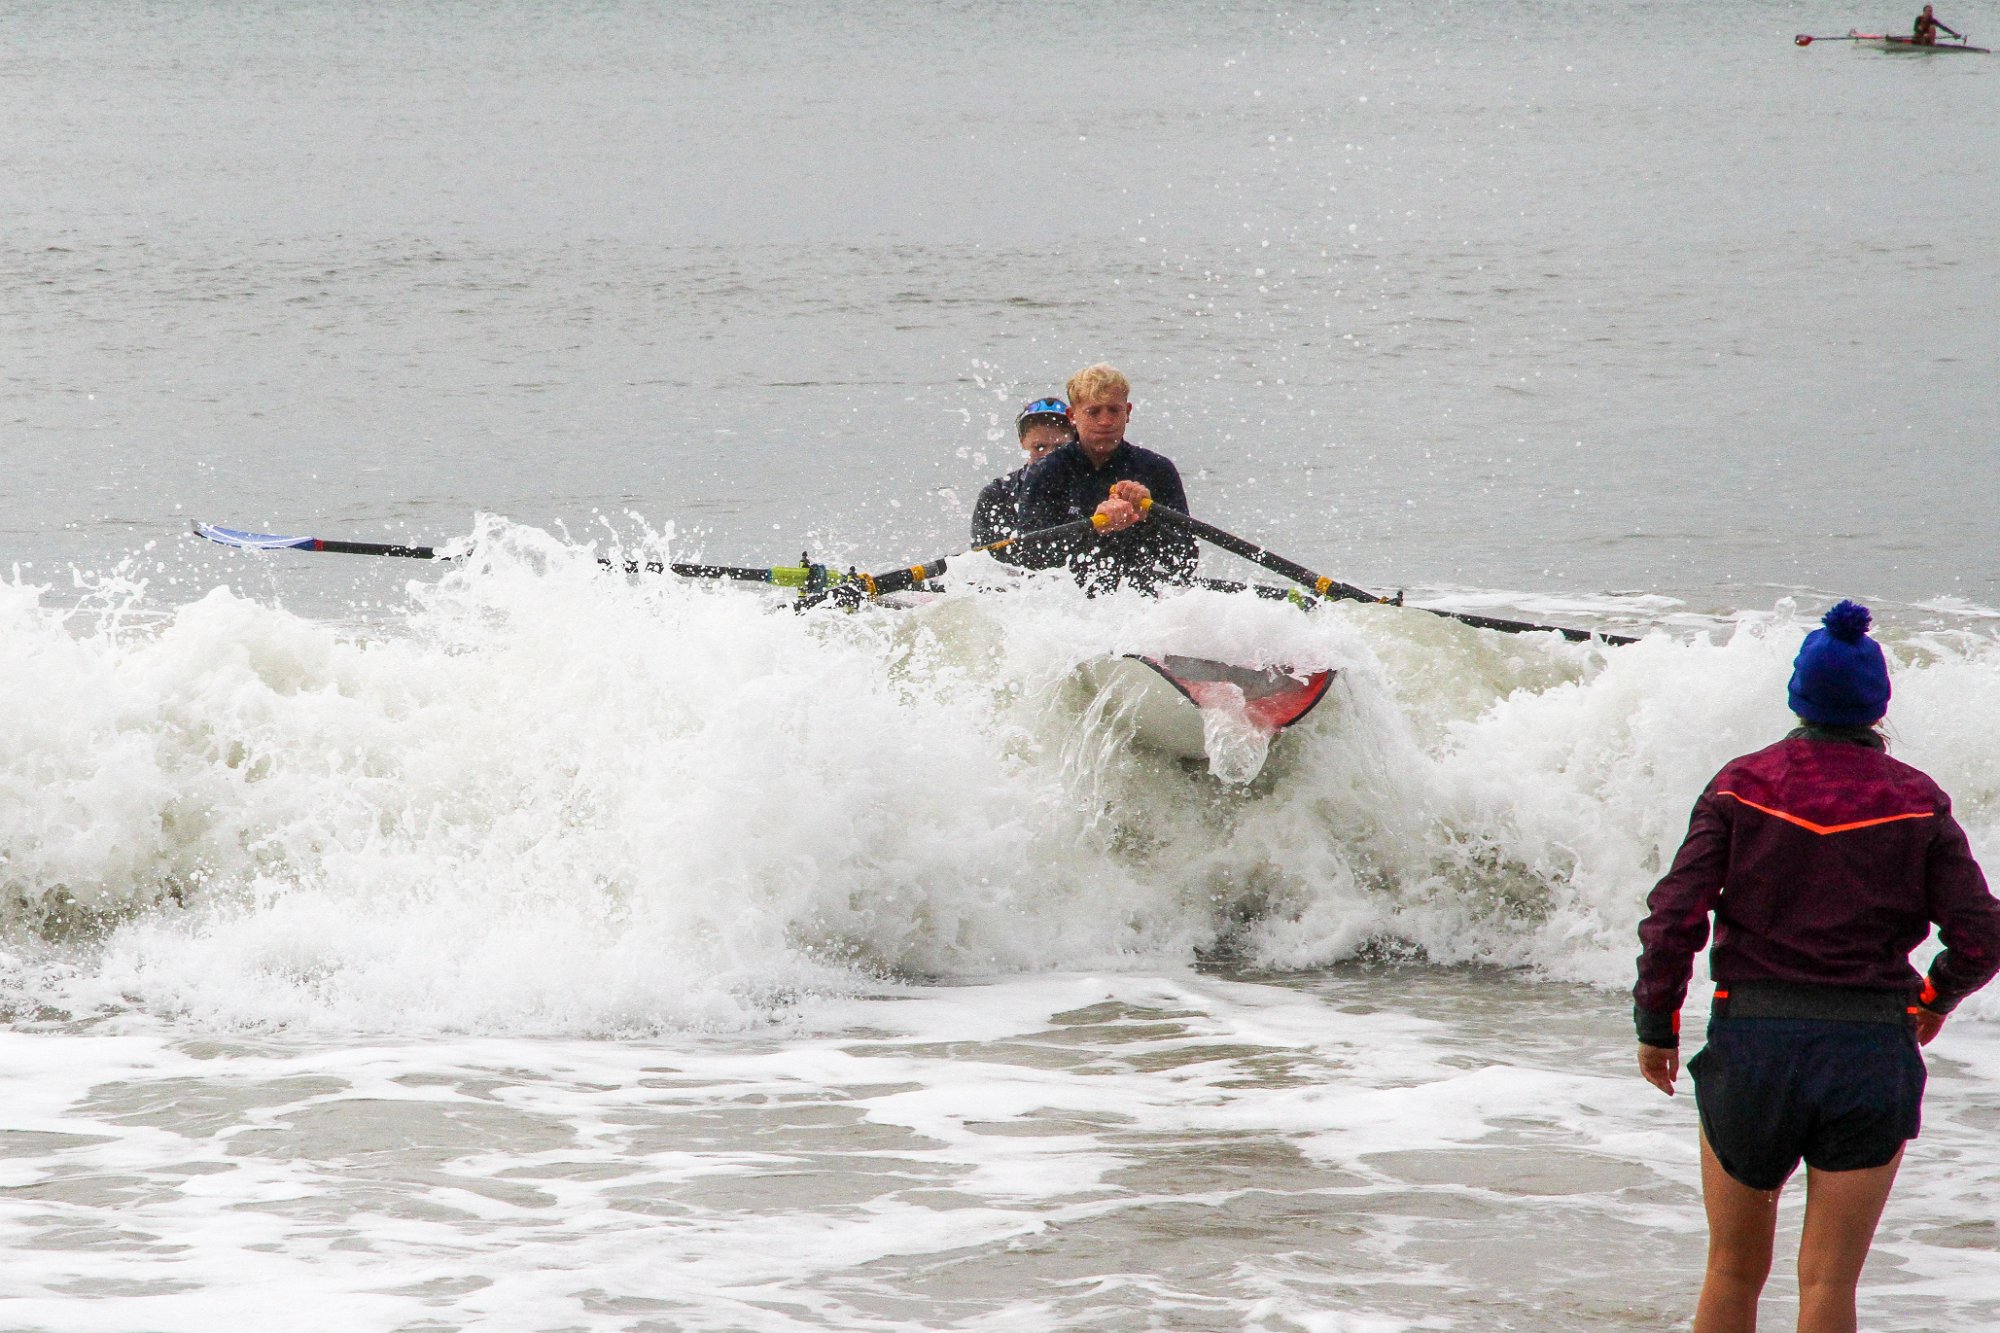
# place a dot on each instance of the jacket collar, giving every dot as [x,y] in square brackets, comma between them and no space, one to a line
[1812,731]
[1111,459]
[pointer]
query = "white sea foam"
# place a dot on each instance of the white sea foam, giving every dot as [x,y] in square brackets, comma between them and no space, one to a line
[543,799]
[1373,1148]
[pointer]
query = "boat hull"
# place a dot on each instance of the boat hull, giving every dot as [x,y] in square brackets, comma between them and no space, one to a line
[1912,46]
[1172,703]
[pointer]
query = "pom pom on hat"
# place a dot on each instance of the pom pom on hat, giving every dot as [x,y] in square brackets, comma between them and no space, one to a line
[1848,621]
[1839,678]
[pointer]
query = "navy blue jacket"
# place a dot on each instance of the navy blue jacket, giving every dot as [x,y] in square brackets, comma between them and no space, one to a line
[1065,487]
[996,513]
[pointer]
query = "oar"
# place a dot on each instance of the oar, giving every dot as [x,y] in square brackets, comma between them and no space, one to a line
[805,574]
[1257,555]
[1803,40]
[856,585]
[1334,589]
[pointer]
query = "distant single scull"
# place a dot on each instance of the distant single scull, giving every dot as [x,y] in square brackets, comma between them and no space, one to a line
[1881,41]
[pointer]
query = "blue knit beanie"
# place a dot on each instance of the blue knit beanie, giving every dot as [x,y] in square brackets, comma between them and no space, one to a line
[1839,678]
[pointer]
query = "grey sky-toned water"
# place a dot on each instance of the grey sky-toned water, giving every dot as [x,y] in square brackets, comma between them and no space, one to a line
[1558,299]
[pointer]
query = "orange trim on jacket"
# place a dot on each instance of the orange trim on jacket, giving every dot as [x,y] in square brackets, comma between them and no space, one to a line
[1823,829]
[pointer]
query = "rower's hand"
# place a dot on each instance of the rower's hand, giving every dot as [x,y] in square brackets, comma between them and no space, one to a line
[1928,1025]
[1659,1066]
[1116,515]
[1132,493]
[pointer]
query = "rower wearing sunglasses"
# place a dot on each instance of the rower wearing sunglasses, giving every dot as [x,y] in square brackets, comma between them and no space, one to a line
[1102,474]
[1042,427]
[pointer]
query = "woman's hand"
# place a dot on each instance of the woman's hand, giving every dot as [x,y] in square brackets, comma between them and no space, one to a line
[1928,1025]
[1660,1066]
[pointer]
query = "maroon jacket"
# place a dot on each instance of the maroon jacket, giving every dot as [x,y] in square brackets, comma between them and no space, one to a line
[1825,862]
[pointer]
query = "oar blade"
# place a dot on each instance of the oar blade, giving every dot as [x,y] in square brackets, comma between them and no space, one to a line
[250,541]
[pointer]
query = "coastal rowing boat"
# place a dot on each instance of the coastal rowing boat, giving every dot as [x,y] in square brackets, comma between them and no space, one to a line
[1883,42]
[1189,708]
[1183,707]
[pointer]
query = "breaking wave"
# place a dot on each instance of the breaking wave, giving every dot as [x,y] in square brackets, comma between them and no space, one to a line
[537,798]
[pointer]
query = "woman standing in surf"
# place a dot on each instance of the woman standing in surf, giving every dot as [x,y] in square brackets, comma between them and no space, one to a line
[1824,862]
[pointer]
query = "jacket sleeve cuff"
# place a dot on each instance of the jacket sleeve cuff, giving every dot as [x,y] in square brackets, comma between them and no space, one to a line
[1933,1000]
[1658,1029]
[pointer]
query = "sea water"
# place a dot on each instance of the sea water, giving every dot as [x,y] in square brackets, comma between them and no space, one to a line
[507,944]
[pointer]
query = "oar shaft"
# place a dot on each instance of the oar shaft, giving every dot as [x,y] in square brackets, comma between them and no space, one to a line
[1327,587]
[375,548]
[1258,555]
[1523,627]
[785,576]
[897,580]
[1296,596]
[1075,528]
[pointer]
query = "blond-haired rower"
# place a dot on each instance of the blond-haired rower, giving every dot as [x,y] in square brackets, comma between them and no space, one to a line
[1103,473]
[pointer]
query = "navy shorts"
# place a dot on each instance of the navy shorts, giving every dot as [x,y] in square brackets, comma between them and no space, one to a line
[1843,1096]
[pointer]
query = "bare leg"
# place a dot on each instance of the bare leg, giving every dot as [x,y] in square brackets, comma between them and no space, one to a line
[1741,1224]
[1842,1208]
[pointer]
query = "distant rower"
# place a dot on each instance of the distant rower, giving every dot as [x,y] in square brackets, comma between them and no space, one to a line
[1041,427]
[1926,30]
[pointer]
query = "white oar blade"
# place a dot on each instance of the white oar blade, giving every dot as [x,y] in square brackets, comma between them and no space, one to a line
[249,541]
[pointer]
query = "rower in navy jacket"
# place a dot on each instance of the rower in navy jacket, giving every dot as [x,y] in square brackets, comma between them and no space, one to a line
[1042,427]
[1102,473]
